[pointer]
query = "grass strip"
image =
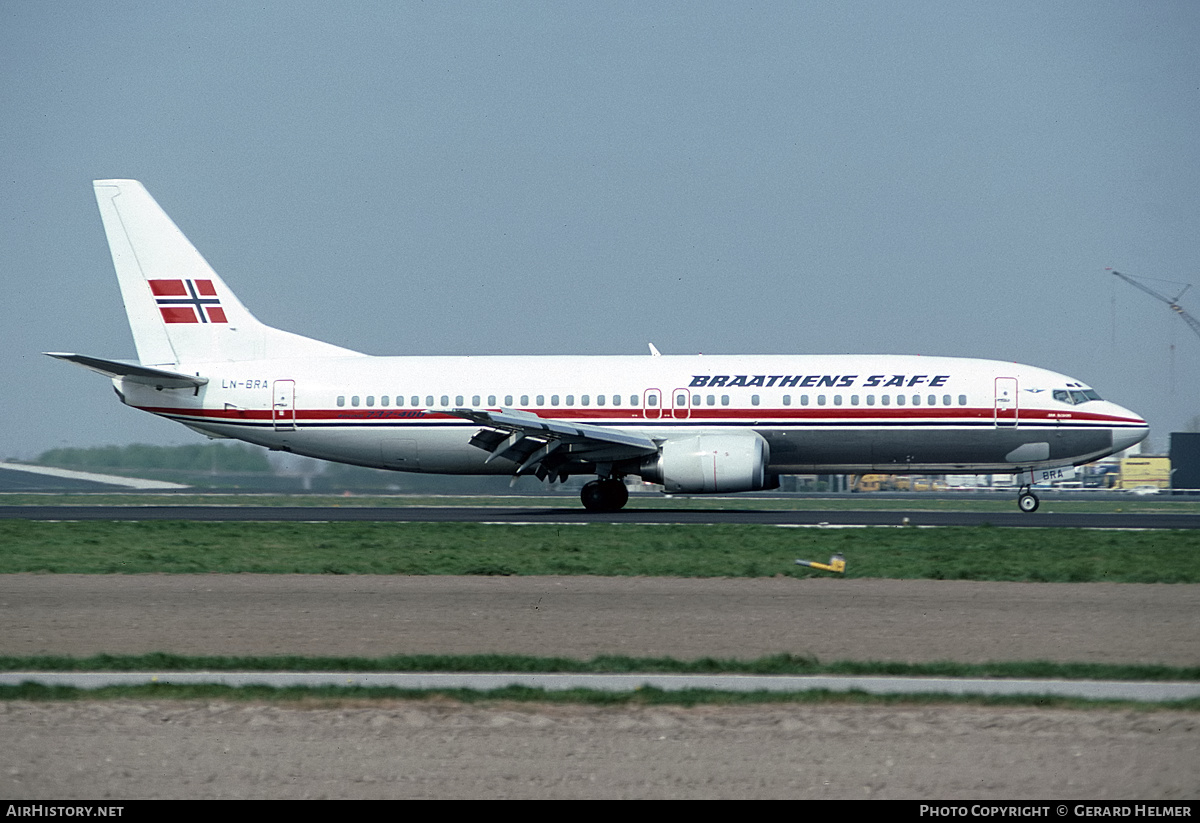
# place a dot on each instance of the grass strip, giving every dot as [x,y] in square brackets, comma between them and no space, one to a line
[951,553]
[781,664]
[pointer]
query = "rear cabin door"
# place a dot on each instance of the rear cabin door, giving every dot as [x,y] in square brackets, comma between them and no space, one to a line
[283,414]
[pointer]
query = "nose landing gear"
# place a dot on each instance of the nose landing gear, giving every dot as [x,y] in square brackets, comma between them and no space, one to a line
[1027,501]
[605,495]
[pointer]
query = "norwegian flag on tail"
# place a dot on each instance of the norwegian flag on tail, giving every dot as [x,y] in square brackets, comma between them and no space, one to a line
[188,301]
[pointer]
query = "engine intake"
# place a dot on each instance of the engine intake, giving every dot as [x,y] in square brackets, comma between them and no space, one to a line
[710,463]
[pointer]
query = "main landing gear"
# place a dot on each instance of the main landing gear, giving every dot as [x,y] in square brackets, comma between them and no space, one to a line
[1027,501]
[607,495]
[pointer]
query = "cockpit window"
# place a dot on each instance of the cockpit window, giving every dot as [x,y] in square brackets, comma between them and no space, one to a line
[1075,396]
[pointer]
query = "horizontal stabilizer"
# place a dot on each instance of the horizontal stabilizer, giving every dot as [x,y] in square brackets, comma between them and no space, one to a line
[158,378]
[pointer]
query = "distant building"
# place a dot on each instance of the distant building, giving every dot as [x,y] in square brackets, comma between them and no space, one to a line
[1185,460]
[1145,471]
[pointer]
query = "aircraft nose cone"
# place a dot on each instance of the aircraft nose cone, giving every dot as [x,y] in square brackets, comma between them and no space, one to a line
[1131,434]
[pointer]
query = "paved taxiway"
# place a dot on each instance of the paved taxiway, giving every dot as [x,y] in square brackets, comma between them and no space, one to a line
[1143,691]
[574,514]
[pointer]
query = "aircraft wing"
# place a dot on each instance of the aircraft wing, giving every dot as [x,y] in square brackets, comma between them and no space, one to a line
[159,378]
[543,445]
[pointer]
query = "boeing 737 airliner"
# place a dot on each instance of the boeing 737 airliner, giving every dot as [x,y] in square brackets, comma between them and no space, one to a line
[693,424]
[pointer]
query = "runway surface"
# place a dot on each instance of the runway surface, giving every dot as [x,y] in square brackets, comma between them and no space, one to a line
[566,514]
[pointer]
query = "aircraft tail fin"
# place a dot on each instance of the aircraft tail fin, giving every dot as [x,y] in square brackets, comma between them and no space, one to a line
[179,309]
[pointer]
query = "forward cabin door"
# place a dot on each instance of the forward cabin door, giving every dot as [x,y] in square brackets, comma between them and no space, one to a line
[1007,412]
[283,413]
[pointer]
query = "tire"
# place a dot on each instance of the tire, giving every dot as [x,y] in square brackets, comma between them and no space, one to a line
[1028,502]
[604,496]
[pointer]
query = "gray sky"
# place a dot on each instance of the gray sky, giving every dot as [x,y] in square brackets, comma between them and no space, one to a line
[581,178]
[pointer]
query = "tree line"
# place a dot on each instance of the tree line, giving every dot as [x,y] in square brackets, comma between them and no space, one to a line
[218,457]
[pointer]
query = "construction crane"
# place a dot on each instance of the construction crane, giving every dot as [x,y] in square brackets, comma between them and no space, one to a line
[1173,303]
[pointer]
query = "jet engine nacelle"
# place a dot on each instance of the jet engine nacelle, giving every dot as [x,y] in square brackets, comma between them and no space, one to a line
[708,463]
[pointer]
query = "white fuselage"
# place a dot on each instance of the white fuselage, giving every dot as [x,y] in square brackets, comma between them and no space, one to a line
[818,413]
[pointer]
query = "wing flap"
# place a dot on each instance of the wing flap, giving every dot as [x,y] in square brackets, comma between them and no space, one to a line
[545,444]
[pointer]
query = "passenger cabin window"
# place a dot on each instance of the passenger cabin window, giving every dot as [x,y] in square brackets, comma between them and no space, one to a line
[341,401]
